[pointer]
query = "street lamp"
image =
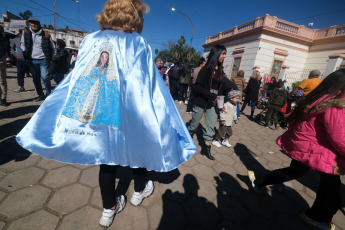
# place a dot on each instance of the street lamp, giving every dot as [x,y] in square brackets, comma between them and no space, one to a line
[191,40]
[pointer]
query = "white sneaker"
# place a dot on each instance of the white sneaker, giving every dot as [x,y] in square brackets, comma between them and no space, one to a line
[226,143]
[186,102]
[108,214]
[216,143]
[138,197]
[180,102]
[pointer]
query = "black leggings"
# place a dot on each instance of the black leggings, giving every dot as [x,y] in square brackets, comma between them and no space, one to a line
[328,196]
[107,176]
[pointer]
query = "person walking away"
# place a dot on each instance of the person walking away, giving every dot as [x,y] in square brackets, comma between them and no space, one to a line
[227,116]
[252,93]
[174,75]
[115,95]
[208,88]
[241,84]
[309,84]
[194,77]
[184,82]
[3,81]
[60,61]
[21,64]
[38,48]
[315,139]
[275,102]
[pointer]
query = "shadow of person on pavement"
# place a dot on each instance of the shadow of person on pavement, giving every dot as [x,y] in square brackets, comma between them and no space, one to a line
[187,210]
[243,209]
[18,112]
[9,148]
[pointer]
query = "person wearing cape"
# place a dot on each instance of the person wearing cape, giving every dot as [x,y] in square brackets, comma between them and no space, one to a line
[112,110]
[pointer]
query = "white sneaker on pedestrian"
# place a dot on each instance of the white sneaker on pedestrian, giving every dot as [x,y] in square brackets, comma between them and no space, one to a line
[108,214]
[138,197]
[226,143]
[186,102]
[180,102]
[216,143]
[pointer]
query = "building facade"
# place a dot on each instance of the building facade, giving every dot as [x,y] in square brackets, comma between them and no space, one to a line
[73,37]
[280,48]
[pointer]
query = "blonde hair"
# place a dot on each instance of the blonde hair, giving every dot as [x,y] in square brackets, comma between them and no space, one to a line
[256,75]
[125,15]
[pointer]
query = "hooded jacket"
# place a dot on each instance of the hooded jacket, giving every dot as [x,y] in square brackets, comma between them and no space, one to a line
[278,98]
[319,141]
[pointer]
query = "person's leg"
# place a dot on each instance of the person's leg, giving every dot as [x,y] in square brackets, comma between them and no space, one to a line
[58,77]
[275,115]
[328,199]
[268,116]
[139,175]
[185,90]
[210,120]
[244,106]
[180,93]
[21,69]
[107,176]
[238,109]
[36,76]
[252,104]
[220,134]
[3,82]
[190,100]
[295,170]
[44,68]
[196,117]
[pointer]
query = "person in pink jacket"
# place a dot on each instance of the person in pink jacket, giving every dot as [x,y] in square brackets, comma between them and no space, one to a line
[315,139]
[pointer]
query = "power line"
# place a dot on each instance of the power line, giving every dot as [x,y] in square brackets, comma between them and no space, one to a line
[317,15]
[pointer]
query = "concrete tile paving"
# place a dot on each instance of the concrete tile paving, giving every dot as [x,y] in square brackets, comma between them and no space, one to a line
[37,193]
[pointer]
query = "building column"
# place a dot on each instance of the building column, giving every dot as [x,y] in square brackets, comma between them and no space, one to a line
[283,72]
[334,62]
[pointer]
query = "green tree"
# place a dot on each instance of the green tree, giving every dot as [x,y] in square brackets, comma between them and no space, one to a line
[179,51]
[26,14]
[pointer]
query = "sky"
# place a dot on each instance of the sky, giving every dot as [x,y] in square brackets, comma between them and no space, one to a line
[163,25]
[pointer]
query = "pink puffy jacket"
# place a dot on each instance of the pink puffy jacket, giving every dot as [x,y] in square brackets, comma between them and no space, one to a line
[319,141]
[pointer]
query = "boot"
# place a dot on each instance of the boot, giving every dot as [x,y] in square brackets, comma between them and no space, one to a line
[208,153]
[4,102]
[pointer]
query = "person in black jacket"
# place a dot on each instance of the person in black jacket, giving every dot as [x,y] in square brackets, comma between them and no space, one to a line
[174,75]
[3,82]
[208,87]
[252,93]
[60,61]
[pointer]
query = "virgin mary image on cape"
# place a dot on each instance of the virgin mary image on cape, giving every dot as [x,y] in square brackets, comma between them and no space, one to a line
[95,97]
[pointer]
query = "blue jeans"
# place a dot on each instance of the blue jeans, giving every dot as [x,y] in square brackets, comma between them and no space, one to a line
[58,77]
[238,109]
[39,69]
[252,104]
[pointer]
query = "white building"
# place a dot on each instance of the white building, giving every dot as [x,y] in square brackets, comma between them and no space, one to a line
[73,37]
[280,48]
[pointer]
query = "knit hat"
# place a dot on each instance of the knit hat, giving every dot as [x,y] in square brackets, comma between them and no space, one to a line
[234,93]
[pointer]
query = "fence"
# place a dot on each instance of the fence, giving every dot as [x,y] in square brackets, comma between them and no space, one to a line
[297,75]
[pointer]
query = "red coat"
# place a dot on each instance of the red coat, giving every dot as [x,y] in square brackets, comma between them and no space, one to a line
[319,141]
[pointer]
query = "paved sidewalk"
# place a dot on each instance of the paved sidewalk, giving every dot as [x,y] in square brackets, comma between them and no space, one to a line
[36,193]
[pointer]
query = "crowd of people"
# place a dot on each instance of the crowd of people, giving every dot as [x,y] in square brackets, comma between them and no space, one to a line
[94,121]
[37,55]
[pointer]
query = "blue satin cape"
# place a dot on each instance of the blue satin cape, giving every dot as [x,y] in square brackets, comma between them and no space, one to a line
[118,113]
